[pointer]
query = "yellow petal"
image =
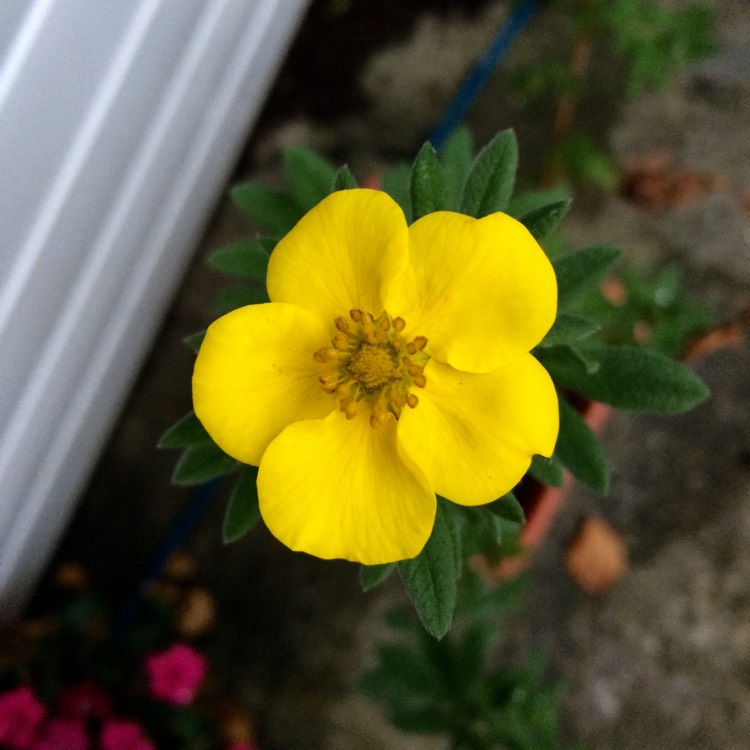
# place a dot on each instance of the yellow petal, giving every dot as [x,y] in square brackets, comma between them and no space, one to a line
[481,290]
[473,434]
[340,253]
[255,374]
[337,488]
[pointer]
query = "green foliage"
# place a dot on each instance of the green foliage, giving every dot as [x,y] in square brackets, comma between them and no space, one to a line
[653,310]
[450,686]
[427,184]
[373,575]
[626,377]
[247,258]
[579,450]
[579,274]
[309,175]
[275,211]
[243,512]
[201,463]
[430,578]
[489,183]
[542,220]
[655,39]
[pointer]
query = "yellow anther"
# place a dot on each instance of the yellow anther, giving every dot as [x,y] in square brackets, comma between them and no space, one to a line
[340,341]
[370,368]
[326,354]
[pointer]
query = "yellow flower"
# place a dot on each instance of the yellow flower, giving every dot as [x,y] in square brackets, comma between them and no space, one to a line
[391,364]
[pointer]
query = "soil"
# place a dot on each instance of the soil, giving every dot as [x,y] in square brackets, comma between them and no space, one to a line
[660,661]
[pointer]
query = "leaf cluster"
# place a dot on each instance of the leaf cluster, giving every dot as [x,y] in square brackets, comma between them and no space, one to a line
[454,687]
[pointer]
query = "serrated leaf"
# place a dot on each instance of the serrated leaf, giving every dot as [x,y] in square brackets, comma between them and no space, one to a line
[427,184]
[489,184]
[581,272]
[248,258]
[580,451]
[275,211]
[548,471]
[235,296]
[373,575]
[185,432]
[541,221]
[430,578]
[243,511]
[344,180]
[456,157]
[309,175]
[199,463]
[568,329]
[395,182]
[628,377]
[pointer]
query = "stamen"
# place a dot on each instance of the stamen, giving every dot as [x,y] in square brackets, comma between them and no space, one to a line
[326,354]
[372,366]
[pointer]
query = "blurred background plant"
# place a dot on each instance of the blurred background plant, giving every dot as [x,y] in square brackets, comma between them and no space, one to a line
[645,39]
[77,674]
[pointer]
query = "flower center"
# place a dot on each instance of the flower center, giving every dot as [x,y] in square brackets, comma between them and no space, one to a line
[374,365]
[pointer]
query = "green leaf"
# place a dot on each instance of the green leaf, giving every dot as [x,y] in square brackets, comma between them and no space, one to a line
[185,432]
[489,185]
[580,450]
[430,578]
[396,182]
[373,575]
[541,221]
[194,340]
[344,180]
[508,508]
[199,463]
[456,157]
[627,377]
[568,329]
[243,512]
[427,184]
[235,296]
[275,211]
[581,272]
[309,174]
[248,258]
[548,471]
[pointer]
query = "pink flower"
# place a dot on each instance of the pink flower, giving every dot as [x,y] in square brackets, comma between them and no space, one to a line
[84,700]
[21,713]
[125,735]
[176,674]
[63,734]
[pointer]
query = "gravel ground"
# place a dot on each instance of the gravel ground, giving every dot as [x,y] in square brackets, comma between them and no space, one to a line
[661,661]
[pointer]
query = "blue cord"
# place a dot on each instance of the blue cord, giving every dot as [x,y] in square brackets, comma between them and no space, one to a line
[188,519]
[471,88]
